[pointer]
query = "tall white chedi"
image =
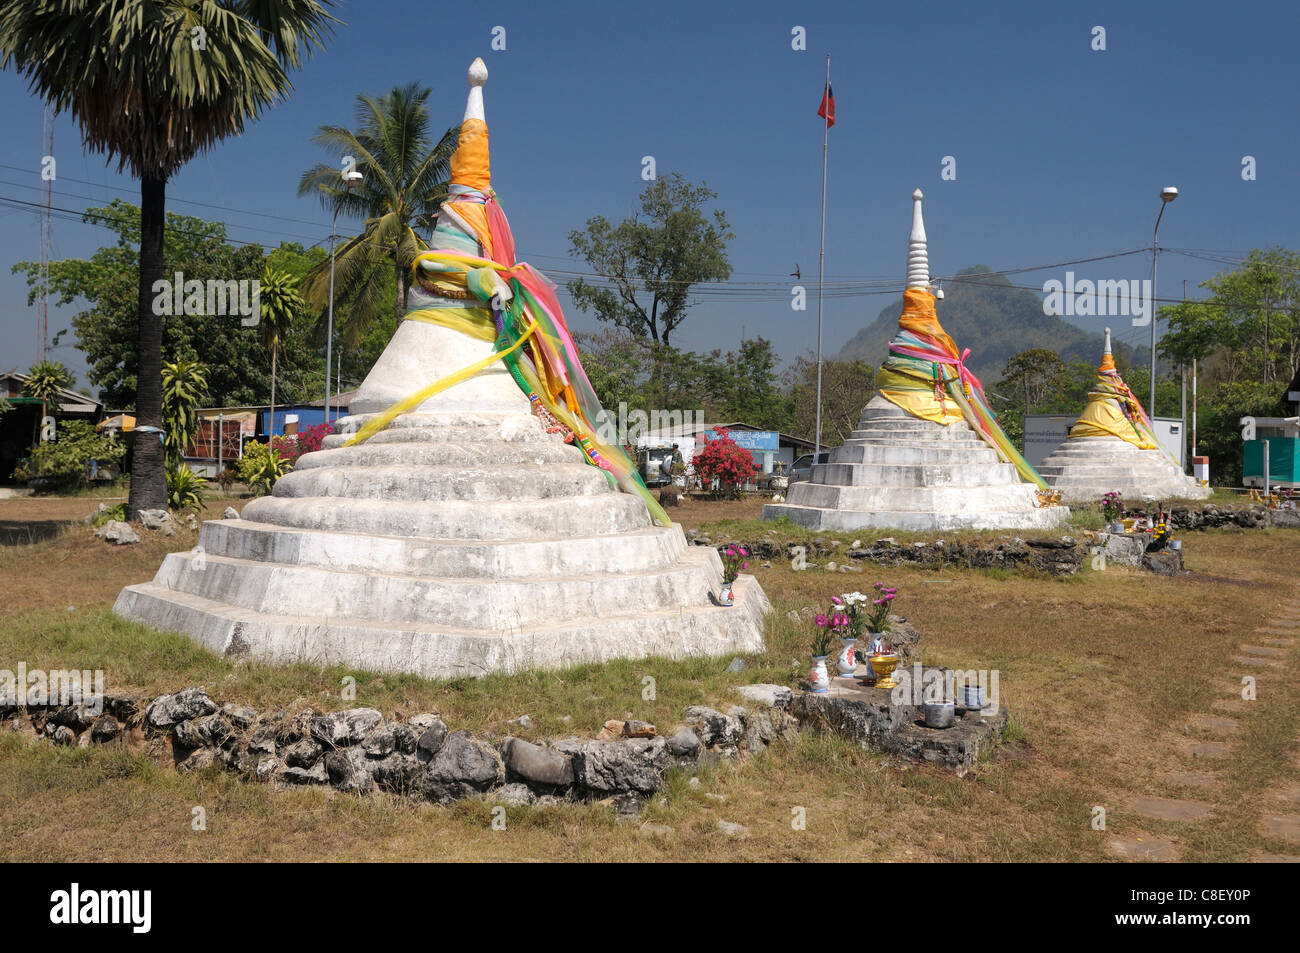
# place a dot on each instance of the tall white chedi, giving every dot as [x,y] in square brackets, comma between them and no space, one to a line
[1112,447]
[461,539]
[927,453]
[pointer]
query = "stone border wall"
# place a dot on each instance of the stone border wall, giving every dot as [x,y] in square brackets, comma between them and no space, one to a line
[357,750]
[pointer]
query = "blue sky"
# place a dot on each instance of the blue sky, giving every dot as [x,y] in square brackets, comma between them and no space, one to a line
[1060,150]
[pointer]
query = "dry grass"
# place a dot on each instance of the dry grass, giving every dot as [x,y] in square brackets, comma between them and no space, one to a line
[1101,671]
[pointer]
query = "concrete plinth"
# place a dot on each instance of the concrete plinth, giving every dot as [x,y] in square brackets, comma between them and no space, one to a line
[456,542]
[897,471]
[1086,468]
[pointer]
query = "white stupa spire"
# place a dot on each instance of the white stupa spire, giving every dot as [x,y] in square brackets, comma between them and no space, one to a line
[1106,349]
[478,75]
[918,259]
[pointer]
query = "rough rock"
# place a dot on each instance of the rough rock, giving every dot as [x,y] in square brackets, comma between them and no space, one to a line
[262,740]
[199,759]
[207,731]
[715,730]
[536,764]
[115,531]
[303,753]
[733,830]
[400,774]
[313,775]
[381,742]
[513,795]
[431,740]
[765,695]
[349,770]
[230,513]
[614,767]
[463,765]
[105,729]
[737,666]
[1166,562]
[167,710]
[240,716]
[154,519]
[638,729]
[345,727]
[683,743]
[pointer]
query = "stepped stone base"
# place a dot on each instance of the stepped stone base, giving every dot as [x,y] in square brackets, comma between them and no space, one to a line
[1085,468]
[897,471]
[453,543]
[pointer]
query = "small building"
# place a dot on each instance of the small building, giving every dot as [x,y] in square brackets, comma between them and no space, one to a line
[20,426]
[768,447]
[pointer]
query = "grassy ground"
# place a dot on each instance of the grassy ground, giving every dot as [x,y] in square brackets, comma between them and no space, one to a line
[1102,672]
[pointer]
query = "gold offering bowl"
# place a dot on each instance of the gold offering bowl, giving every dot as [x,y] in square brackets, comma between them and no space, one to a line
[883,666]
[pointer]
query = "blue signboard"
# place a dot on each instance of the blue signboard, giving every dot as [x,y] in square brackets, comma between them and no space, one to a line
[751,440]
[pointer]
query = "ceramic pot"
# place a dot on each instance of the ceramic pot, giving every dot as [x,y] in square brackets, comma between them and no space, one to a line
[846,661]
[817,677]
[972,696]
[726,596]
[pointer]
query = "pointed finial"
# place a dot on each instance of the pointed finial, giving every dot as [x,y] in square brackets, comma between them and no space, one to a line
[918,259]
[478,75]
[1106,350]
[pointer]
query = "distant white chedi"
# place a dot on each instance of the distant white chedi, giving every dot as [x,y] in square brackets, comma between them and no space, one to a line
[1112,447]
[915,461]
[461,539]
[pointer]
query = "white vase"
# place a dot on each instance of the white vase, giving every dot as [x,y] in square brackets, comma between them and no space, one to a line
[817,677]
[846,661]
[726,596]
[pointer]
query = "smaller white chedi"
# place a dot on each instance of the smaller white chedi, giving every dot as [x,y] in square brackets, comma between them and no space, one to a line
[927,454]
[1112,447]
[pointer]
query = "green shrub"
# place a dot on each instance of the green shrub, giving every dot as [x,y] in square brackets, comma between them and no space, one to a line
[184,488]
[260,467]
[64,459]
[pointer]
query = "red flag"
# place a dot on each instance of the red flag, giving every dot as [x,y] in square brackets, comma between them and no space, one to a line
[827,109]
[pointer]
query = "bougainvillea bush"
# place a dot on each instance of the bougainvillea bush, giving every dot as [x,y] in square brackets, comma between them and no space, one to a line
[721,459]
[291,447]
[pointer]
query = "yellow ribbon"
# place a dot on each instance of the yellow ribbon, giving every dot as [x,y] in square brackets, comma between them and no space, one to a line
[380,421]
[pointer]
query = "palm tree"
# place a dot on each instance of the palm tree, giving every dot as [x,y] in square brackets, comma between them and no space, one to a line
[404,182]
[280,303]
[184,385]
[153,83]
[44,381]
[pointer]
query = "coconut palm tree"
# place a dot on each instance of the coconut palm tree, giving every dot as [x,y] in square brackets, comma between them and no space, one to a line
[44,382]
[404,182]
[153,83]
[280,303]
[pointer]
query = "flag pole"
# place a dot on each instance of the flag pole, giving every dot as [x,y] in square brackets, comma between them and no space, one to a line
[821,264]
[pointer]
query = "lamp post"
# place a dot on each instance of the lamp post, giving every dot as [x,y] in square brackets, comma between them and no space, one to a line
[350,178]
[1167,195]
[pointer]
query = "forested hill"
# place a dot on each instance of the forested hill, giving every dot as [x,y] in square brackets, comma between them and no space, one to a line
[992,318]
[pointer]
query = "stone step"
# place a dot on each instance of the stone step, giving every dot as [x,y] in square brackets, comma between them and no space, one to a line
[483,483]
[655,547]
[917,438]
[482,603]
[441,651]
[1011,495]
[464,454]
[449,427]
[951,474]
[457,519]
[898,455]
[818,518]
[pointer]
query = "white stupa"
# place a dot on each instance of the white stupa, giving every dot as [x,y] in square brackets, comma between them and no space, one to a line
[915,461]
[461,539]
[1112,447]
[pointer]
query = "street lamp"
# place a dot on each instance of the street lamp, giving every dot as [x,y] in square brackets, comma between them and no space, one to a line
[1167,195]
[350,178]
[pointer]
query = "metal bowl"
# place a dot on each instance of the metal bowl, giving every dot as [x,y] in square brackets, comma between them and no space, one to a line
[940,714]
